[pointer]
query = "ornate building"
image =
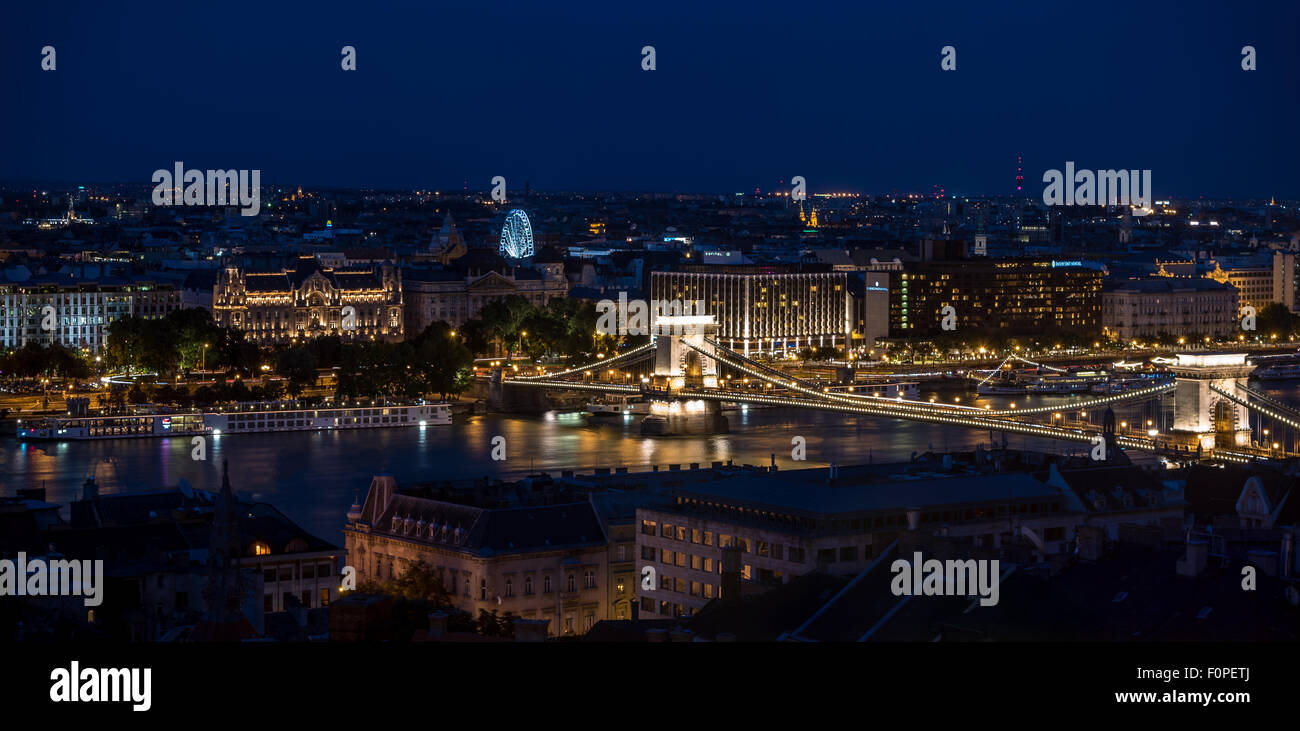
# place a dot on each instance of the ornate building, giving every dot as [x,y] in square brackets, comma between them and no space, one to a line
[454,296]
[310,301]
[541,562]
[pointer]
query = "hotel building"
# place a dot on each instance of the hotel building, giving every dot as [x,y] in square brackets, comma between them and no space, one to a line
[1141,308]
[309,301]
[765,308]
[1016,296]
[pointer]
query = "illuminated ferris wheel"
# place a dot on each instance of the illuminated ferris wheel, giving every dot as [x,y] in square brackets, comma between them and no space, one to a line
[517,236]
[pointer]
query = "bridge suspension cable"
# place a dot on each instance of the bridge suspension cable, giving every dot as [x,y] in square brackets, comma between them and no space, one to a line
[1257,408]
[642,351]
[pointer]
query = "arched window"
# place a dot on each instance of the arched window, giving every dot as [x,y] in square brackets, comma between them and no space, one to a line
[510,587]
[572,583]
[546,585]
[528,585]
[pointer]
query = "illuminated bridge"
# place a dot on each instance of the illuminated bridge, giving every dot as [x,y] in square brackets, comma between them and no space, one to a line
[693,370]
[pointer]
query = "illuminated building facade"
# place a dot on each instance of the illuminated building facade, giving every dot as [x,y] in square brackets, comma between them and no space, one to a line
[1135,309]
[454,296]
[1015,296]
[310,301]
[544,562]
[765,308]
[79,309]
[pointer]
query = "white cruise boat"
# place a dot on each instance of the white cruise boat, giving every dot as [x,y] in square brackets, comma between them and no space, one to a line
[247,418]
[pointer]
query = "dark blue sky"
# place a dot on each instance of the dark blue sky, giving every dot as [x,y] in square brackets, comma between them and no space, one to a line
[849,95]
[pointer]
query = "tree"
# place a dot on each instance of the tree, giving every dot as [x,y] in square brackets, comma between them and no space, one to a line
[505,318]
[298,366]
[1275,319]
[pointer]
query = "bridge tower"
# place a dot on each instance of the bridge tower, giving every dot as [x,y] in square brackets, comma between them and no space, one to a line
[682,365]
[683,358]
[1203,418]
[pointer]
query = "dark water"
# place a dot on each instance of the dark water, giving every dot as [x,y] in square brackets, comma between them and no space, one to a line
[312,476]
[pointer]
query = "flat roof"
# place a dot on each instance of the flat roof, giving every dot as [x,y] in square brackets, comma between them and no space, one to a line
[801,491]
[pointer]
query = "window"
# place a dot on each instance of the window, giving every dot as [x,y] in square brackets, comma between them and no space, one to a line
[667,531]
[695,562]
[309,571]
[708,565]
[777,550]
[796,555]
[306,598]
[622,552]
[647,604]
[764,549]
[695,536]
[324,597]
[849,553]
[510,587]
[268,603]
[681,533]
[681,559]
[482,589]
[647,553]
[286,573]
[528,586]
[724,540]
[572,583]
[666,609]
[621,586]
[708,538]
[679,586]
[546,585]
[268,576]
[648,527]
[589,580]
[826,555]
[708,591]
[696,588]
[666,556]
[747,572]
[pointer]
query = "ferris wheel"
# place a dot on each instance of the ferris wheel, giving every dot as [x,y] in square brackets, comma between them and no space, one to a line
[516,235]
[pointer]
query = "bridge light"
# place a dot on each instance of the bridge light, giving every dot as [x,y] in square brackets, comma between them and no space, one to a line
[1123,425]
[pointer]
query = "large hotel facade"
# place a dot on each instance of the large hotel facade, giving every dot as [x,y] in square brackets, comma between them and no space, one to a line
[309,301]
[1016,296]
[765,308]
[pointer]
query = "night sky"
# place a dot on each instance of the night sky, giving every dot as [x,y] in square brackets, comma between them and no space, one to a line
[850,95]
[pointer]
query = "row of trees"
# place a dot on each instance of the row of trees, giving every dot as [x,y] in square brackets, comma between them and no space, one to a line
[433,362]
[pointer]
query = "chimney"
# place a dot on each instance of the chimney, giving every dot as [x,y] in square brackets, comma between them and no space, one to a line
[731,563]
[774,461]
[530,630]
[437,624]
[1193,564]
